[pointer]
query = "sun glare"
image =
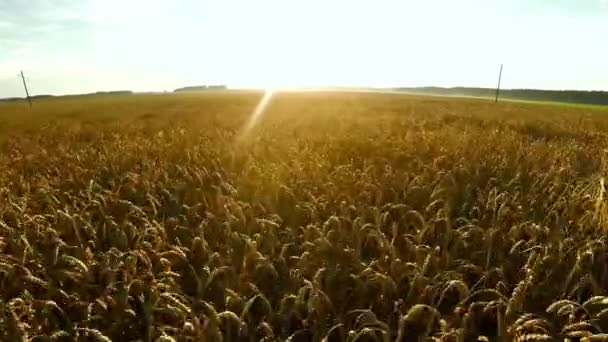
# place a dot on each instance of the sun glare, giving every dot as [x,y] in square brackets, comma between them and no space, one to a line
[257,112]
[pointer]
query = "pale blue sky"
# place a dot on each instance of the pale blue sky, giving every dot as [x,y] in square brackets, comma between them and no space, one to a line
[149,45]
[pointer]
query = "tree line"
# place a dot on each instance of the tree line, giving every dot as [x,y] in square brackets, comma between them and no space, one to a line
[569,96]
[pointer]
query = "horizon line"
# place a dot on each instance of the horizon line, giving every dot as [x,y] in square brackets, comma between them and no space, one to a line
[289,88]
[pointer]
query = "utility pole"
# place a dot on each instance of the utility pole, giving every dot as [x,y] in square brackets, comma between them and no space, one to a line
[498,87]
[27,93]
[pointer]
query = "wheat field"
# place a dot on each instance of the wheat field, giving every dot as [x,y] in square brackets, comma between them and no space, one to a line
[337,217]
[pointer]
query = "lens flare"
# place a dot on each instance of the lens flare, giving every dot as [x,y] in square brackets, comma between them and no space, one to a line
[257,112]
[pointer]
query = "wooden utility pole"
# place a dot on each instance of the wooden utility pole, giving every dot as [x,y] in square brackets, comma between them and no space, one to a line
[27,93]
[498,87]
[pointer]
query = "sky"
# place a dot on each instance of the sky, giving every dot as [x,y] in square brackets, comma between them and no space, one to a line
[79,46]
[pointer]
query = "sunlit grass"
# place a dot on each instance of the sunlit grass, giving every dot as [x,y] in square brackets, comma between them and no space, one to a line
[140,218]
[257,113]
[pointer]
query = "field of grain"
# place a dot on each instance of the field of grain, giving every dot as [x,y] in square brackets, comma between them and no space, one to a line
[337,217]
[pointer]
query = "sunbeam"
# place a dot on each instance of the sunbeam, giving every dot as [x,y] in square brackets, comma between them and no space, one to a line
[257,112]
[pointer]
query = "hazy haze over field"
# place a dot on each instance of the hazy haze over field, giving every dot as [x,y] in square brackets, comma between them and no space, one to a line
[82,46]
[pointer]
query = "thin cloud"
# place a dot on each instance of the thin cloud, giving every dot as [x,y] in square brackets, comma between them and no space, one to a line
[39,20]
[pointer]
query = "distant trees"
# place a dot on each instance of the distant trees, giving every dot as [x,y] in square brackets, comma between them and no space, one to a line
[569,96]
[201,88]
[114,92]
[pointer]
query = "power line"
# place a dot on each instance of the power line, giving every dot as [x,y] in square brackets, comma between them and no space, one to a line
[27,93]
[498,87]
